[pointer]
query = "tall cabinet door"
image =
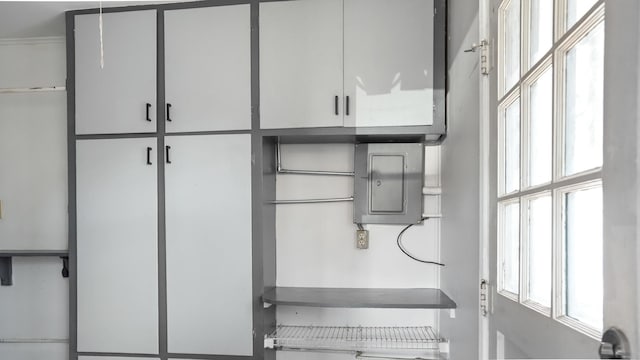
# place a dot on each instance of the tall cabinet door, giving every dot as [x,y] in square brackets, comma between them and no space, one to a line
[301,64]
[388,62]
[208,68]
[119,97]
[208,229]
[117,246]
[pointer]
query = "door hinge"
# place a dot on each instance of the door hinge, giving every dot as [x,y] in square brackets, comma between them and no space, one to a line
[484,297]
[485,59]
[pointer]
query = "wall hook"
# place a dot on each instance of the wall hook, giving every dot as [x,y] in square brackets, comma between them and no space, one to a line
[474,47]
[485,66]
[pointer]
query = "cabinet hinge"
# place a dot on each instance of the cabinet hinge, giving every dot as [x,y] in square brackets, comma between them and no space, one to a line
[484,295]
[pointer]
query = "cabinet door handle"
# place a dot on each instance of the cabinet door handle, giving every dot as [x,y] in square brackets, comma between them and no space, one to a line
[169,112]
[336,105]
[149,156]
[168,159]
[347,105]
[148,109]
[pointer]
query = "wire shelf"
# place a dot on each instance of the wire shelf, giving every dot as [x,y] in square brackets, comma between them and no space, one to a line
[345,338]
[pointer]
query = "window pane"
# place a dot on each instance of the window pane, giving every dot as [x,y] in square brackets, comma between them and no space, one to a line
[541,29]
[510,262]
[540,250]
[576,9]
[511,44]
[540,129]
[583,236]
[584,99]
[512,147]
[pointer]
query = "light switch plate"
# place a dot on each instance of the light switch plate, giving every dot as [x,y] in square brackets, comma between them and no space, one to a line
[362,239]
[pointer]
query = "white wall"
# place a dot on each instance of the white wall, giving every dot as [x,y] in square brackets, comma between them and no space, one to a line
[33,189]
[316,244]
[460,181]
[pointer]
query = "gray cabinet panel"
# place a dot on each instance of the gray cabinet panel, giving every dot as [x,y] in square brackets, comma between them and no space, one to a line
[208,68]
[388,62]
[209,261]
[113,99]
[117,246]
[301,64]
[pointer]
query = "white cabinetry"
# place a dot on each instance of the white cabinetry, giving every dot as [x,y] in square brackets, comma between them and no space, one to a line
[375,56]
[388,62]
[208,226]
[301,64]
[208,68]
[121,96]
[207,184]
[207,71]
[117,245]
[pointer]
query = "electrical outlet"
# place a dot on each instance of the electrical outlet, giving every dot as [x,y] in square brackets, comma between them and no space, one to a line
[362,239]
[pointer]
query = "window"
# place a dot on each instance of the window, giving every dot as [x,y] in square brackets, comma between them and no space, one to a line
[550,139]
[509,225]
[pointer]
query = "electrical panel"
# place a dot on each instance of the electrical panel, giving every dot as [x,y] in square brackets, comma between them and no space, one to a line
[388,183]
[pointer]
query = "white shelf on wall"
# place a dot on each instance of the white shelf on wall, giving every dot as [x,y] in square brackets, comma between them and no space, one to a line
[417,340]
[6,262]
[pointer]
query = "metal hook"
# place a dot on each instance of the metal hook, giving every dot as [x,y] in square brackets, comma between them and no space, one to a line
[474,47]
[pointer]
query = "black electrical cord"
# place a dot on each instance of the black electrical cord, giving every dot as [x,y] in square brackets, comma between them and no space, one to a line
[399,242]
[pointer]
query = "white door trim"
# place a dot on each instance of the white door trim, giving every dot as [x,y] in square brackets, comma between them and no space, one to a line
[484,32]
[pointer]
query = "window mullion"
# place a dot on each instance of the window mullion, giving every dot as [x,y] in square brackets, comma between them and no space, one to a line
[524,251]
[558,254]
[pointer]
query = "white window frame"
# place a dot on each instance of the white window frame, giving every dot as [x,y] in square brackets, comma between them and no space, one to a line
[501,290]
[586,25]
[559,247]
[545,64]
[555,58]
[502,112]
[524,250]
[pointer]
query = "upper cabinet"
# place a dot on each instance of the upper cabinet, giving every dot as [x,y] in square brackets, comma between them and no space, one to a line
[301,59]
[352,63]
[388,62]
[208,69]
[207,77]
[118,96]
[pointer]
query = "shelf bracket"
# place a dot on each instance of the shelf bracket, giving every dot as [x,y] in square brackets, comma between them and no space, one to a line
[65,266]
[6,271]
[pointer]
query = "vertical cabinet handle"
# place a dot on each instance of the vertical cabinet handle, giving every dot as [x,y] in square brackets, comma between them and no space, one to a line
[336,105]
[149,156]
[148,110]
[169,112]
[347,105]
[168,159]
